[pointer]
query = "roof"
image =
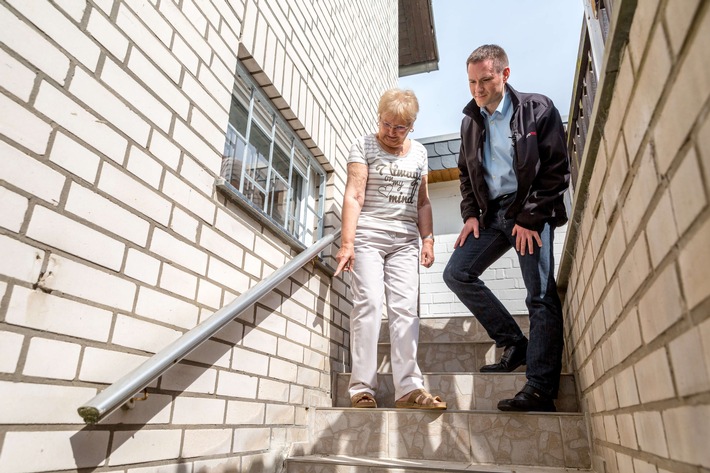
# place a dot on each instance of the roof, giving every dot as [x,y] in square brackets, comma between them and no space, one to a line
[418,51]
[443,154]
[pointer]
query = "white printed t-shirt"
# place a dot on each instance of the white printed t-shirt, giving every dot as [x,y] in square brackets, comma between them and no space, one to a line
[392,187]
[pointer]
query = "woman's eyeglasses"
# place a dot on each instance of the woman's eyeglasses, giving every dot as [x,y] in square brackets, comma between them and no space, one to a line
[400,129]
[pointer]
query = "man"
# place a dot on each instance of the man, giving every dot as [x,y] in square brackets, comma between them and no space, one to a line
[514,172]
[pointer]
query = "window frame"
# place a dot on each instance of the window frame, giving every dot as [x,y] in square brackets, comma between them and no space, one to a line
[309,206]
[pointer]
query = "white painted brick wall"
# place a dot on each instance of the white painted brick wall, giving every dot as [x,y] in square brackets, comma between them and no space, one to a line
[251,439]
[107,35]
[237,385]
[186,195]
[46,312]
[212,353]
[184,224]
[10,347]
[32,46]
[19,260]
[44,451]
[52,359]
[142,335]
[163,87]
[14,207]
[107,105]
[272,390]
[145,445]
[206,442]
[73,9]
[209,294]
[245,413]
[74,157]
[144,38]
[110,155]
[192,410]
[144,167]
[25,403]
[226,275]
[76,239]
[16,78]
[28,174]
[107,366]
[166,308]
[280,414]
[70,277]
[178,281]
[183,377]
[102,212]
[23,126]
[142,266]
[50,20]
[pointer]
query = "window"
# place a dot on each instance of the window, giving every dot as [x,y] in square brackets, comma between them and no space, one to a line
[266,165]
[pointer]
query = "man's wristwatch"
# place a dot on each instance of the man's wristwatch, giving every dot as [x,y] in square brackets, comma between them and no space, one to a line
[428,237]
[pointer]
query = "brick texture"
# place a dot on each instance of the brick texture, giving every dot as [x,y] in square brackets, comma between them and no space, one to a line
[115,241]
[654,343]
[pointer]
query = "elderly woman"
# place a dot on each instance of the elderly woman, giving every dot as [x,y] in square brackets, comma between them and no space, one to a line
[386,210]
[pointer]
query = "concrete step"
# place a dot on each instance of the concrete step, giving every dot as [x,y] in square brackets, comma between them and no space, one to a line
[556,440]
[450,357]
[463,391]
[453,329]
[345,464]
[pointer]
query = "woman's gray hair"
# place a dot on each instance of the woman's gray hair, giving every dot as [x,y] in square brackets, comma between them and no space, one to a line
[402,104]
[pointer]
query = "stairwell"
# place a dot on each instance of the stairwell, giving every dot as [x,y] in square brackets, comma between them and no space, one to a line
[470,436]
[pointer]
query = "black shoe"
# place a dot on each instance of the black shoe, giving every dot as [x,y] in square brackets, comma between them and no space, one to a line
[528,399]
[512,357]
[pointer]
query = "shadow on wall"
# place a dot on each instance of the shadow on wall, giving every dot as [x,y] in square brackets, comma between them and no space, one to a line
[200,377]
[124,427]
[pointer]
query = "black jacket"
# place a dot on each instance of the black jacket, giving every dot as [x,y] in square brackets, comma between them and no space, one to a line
[541,163]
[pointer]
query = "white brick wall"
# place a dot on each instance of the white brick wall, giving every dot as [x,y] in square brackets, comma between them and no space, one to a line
[114,240]
[44,451]
[10,346]
[30,45]
[74,157]
[14,207]
[15,77]
[52,359]
[145,445]
[29,175]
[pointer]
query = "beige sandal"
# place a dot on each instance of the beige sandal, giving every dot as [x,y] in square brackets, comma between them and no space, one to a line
[363,400]
[421,399]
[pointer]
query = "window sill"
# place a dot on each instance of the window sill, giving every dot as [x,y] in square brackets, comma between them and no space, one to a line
[230,192]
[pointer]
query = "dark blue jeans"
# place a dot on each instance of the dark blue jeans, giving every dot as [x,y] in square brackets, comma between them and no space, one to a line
[467,263]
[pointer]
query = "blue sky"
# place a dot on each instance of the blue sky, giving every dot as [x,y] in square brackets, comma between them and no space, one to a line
[541,38]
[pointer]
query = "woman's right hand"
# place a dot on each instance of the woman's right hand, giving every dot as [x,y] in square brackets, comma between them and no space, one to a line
[345,258]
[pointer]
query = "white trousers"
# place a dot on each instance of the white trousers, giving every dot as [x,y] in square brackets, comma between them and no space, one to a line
[386,264]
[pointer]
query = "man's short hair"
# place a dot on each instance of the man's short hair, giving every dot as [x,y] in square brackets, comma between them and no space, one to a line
[492,52]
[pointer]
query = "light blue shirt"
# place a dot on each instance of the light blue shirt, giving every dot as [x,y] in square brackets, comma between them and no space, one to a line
[498,150]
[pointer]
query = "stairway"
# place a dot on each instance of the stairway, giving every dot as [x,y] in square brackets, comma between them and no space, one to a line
[471,436]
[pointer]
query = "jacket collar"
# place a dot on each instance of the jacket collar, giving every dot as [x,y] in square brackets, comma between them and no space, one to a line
[474,111]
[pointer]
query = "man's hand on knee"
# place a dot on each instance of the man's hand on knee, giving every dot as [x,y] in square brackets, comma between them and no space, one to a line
[471,226]
[524,239]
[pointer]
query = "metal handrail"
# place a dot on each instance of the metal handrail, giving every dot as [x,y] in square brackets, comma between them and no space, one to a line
[123,390]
